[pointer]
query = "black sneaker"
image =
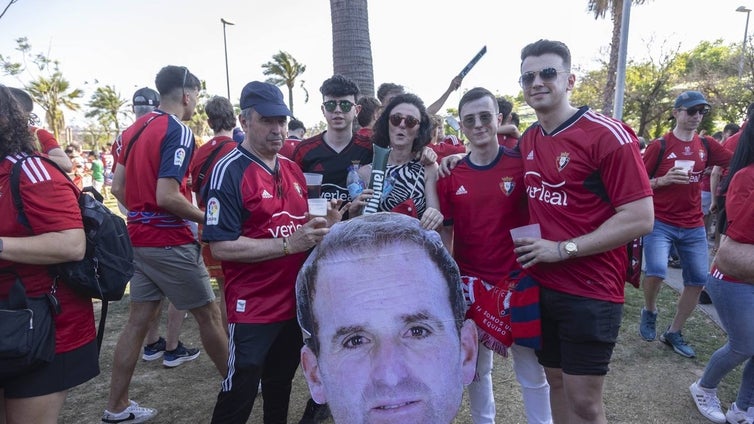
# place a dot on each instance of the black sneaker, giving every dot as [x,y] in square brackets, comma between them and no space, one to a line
[315,413]
[704,298]
[181,354]
[154,350]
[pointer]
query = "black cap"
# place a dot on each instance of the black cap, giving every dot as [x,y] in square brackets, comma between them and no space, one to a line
[146,97]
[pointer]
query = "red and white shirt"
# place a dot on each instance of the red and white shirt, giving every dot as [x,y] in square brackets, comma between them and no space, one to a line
[738,208]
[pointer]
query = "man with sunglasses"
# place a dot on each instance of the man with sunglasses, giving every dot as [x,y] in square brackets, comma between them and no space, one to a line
[257,225]
[679,219]
[589,191]
[150,181]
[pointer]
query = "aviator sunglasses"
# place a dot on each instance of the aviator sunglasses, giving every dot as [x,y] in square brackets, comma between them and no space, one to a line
[345,105]
[396,119]
[546,75]
[469,121]
[703,110]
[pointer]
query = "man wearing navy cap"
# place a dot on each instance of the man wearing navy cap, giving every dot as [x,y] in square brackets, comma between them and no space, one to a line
[256,223]
[675,164]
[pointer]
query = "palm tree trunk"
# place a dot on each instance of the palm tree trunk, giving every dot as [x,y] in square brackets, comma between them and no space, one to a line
[351,45]
[608,96]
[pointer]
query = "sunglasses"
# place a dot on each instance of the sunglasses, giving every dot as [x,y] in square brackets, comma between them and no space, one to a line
[410,121]
[469,121]
[548,74]
[345,105]
[703,110]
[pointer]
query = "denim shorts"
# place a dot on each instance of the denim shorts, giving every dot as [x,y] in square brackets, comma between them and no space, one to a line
[706,202]
[691,244]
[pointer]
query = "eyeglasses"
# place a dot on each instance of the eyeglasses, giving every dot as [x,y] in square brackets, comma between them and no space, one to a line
[546,75]
[469,121]
[345,105]
[183,84]
[694,110]
[410,121]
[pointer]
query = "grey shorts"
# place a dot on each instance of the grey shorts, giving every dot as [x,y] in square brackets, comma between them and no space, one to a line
[175,272]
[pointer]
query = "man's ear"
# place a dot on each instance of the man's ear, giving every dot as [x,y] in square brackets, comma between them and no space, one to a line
[469,348]
[310,368]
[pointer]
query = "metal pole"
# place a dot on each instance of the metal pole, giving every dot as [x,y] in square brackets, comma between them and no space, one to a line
[620,77]
[743,46]
[225,44]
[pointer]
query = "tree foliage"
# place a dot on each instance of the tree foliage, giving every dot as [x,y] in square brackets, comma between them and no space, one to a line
[284,69]
[107,107]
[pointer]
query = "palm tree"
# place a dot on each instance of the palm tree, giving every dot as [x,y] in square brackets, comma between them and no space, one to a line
[599,8]
[284,69]
[106,105]
[351,46]
[52,94]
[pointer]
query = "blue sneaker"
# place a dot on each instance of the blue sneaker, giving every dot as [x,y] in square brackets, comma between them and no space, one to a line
[675,340]
[648,324]
[154,350]
[181,354]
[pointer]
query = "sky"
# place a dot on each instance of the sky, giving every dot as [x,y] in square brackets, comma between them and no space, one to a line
[420,44]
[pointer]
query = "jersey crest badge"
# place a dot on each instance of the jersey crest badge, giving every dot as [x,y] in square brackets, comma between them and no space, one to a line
[687,151]
[562,160]
[179,156]
[702,155]
[507,185]
[213,211]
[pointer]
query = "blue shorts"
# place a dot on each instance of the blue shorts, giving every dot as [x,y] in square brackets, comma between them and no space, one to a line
[706,202]
[691,244]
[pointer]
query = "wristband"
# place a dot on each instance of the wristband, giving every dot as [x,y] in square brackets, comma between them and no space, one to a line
[286,252]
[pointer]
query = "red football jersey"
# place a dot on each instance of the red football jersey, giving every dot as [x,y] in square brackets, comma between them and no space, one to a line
[740,215]
[575,177]
[225,145]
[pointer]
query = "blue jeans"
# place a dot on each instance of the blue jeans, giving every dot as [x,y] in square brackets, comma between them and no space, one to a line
[733,302]
[691,244]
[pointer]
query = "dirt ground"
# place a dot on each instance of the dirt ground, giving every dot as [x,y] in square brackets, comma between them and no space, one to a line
[647,383]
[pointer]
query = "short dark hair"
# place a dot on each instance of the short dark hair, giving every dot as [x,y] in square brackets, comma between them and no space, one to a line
[476,93]
[731,128]
[369,107]
[295,124]
[339,86]
[363,234]
[504,106]
[540,47]
[387,87]
[220,114]
[381,135]
[170,78]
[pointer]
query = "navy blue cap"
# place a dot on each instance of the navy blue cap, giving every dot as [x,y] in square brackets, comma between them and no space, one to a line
[689,99]
[146,97]
[265,98]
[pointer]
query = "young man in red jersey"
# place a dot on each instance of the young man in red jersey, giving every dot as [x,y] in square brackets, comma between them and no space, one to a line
[482,200]
[589,192]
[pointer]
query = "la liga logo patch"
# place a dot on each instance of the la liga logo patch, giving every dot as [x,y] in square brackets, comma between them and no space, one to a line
[213,211]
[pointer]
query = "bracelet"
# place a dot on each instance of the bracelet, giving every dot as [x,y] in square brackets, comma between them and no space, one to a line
[286,252]
[560,254]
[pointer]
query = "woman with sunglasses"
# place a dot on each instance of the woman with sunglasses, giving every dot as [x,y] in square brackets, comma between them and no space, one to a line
[54,235]
[404,126]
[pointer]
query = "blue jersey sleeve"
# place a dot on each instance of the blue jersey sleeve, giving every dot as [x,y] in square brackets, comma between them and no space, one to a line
[176,150]
[224,213]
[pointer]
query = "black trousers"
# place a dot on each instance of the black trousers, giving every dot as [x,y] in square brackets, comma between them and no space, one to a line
[266,352]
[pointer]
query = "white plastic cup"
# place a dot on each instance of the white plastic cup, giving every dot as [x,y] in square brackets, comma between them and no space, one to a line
[527,231]
[313,184]
[317,206]
[686,165]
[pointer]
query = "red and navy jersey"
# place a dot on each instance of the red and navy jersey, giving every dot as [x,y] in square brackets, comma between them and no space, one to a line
[483,203]
[50,202]
[680,205]
[575,178]
[223,145]
[163,150]
[289,146]
[248,199]
[315,155]
[740,214]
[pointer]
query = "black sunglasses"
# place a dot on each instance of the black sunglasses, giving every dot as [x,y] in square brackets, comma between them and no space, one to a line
[469,121]
[396,119]
[548,74]
[694,110]
[345,105]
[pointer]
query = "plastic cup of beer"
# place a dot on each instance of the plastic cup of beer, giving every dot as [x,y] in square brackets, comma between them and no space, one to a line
[313,184]
[527,231]
[317,206]
[686,165]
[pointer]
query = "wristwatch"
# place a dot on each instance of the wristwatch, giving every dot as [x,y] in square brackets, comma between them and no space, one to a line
[571,248]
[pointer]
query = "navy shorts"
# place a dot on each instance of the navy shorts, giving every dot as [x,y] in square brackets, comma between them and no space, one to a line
[578,333]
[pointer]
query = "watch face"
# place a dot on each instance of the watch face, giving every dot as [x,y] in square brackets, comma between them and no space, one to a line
[571,248]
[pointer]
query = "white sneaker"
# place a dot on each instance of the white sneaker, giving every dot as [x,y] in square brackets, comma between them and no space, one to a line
[707,403]
[132,414]
[737,416]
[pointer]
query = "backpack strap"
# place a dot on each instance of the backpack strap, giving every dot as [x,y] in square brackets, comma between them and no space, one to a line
[661,140]
[15,183]
[207,163]
[138,133]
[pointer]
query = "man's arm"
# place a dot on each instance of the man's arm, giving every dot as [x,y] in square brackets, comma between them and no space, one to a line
[446,235]
[736,259]
[45,249]
[714,181]
[58,156]
[169,197]
[630,221]
[118,188]
[454,84]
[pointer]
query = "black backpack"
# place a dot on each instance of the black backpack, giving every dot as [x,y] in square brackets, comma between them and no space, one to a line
[108,264]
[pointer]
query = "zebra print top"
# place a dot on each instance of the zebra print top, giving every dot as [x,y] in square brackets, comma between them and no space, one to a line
[405,182]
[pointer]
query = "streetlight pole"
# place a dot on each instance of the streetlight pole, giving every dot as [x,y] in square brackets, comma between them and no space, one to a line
[746,34]
[225,44]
